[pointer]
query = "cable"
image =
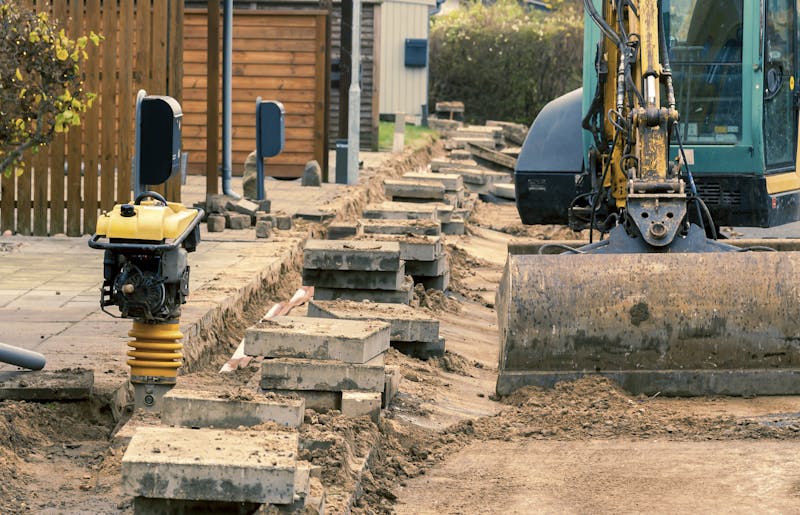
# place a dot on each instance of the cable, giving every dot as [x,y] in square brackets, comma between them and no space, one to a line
[560,246]
[757,248]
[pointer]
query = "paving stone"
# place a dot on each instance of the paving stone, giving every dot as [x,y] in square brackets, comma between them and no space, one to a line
[413,189]
[334,376]
[451,182]
[354,279]
[418,227]
[461,154]
[342,231]
[412,247]
[455,226]
[428,268]
[391,385]
[441,282]
[198,408]
[350,341]
[239,221]
[407,324]
[443,125]
[283,222]
[242,206]
[263,229]
[504,190]
[264,205]
[216,203]
[360,404]
[210,464]
[216,223]
[45,385]
[421,350]
[344,255]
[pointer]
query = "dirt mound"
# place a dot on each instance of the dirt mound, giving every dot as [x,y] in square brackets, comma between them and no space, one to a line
[433,301]
[595,407]
[504,218]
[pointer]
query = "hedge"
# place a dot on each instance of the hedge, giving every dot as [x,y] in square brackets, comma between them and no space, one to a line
[505,63]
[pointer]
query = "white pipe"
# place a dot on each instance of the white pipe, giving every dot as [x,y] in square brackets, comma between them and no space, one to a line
[354,109]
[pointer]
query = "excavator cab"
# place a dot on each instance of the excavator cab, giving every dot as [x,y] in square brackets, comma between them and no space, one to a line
[736,92]
[687,120]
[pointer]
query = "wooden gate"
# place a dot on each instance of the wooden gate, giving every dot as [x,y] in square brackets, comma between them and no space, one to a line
[89,169]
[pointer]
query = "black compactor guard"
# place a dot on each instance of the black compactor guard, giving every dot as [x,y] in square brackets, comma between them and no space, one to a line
[550,171]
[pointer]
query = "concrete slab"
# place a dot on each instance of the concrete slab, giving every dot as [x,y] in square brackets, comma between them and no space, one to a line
[355,279]
[421,350]
[210,464]
[438,165]
[410,188]
[441,282]
[407,324]
[44,385]
[350,341]
[505,191]
[317,400]
[436,267]
[455,226]
[332,376]
[402,296]
[342,231]
[351,255]
[361,404]
[199,408]
[418,227]
[407,211]
[451,182]
[412,247]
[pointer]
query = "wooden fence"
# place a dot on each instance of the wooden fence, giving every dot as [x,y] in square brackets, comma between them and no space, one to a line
[277,55]
[89,169]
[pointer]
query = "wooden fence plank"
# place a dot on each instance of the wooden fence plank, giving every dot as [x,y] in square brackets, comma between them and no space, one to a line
[57,150]
[108,100]
[320,120]
[92,129]
[212,115]
[74,140]
[126,101]
[175,77]
[40,174]
[158,58]
[8,186]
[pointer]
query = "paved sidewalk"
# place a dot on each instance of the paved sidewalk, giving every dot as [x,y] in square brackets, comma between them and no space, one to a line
[50,287]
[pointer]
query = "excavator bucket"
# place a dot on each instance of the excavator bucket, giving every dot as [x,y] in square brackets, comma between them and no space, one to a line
[683,324]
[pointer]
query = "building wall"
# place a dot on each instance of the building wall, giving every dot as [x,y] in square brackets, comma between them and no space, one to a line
[277,55]
[403,90]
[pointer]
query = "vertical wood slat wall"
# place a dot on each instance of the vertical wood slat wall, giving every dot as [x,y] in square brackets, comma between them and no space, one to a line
[277,55]
[66,184]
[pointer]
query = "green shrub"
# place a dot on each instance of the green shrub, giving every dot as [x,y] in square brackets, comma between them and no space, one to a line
[505,63]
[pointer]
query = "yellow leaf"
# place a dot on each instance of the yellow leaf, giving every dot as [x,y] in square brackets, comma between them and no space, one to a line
[95,38]
[18,75]
[19,171]
[62,54]
[22,92]
[33,37]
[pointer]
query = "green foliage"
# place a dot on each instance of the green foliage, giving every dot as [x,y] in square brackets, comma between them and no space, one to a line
[41,90]
[415,135]
[503,62]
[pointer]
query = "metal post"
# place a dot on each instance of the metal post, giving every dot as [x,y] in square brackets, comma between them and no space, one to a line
[354,112]
[260,194]
[227,93]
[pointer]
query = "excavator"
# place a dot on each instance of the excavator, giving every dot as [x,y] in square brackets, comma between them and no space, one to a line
[687,121]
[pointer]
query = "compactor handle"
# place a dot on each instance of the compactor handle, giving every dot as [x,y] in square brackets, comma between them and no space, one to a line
[149,194]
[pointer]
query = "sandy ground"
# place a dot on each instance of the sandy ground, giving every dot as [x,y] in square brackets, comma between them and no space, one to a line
[448,445]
